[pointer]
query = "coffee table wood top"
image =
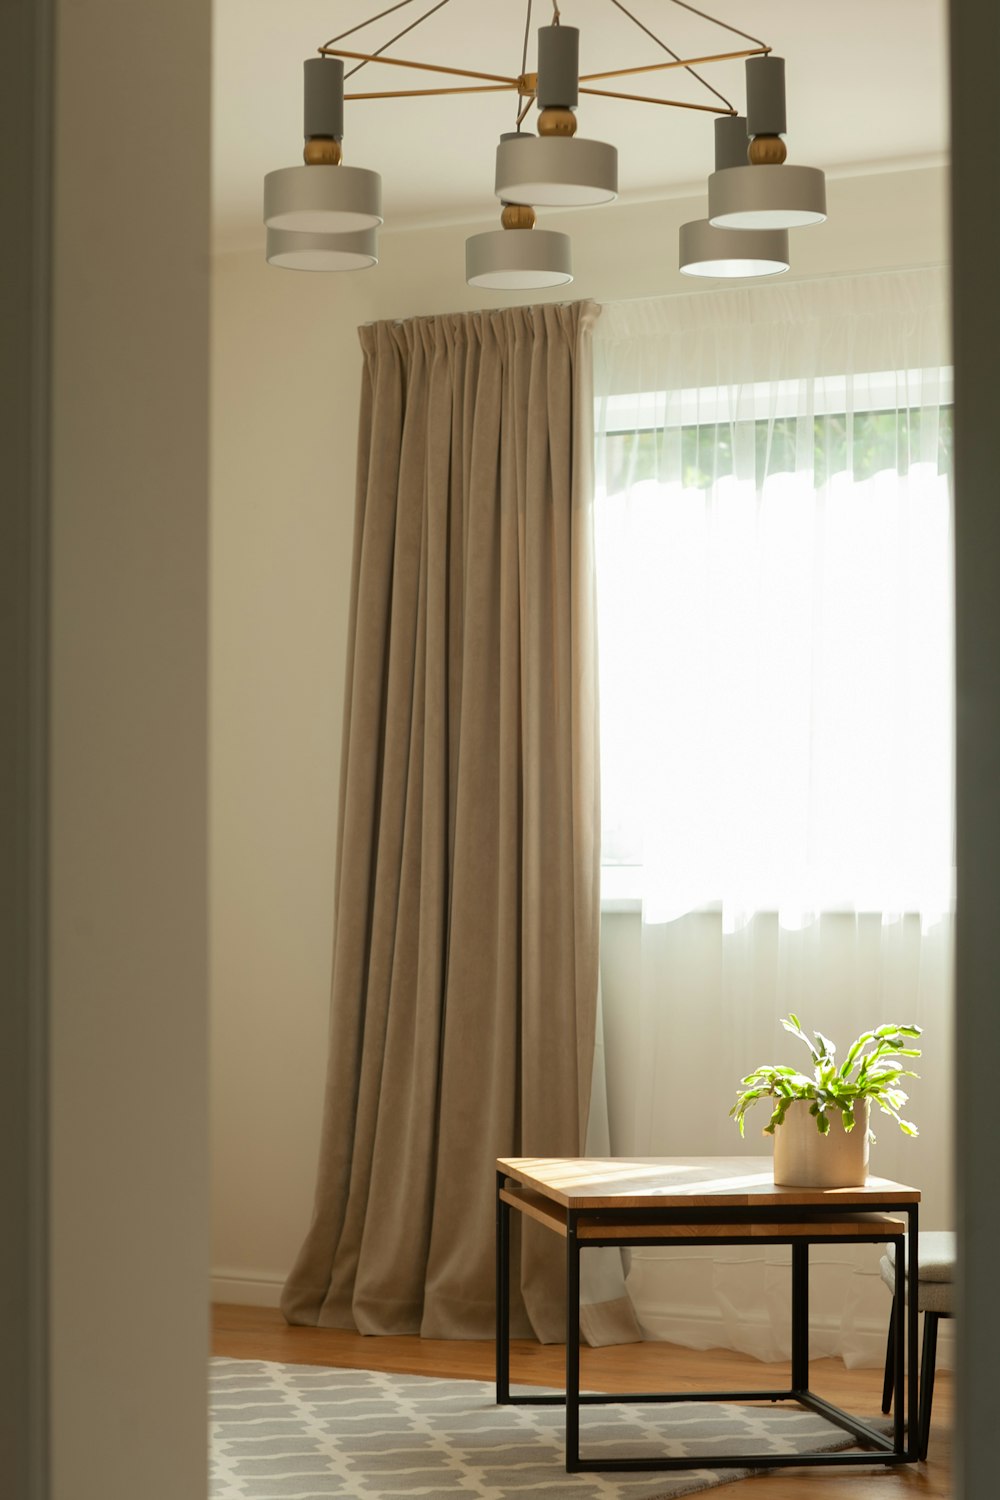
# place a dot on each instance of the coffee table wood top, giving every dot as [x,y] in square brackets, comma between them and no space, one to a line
[677,1182]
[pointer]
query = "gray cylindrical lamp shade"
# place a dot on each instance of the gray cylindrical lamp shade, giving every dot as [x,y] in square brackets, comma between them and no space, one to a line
[323,199]
[766,197]
[558,66]
[766,95]
[322,252]
[323,97]
[516,259]
[707,251]
[556,171]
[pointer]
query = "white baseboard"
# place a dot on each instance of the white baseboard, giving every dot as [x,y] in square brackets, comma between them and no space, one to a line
[259,1290]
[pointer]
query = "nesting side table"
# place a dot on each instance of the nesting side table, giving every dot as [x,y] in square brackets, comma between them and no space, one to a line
[710,1200]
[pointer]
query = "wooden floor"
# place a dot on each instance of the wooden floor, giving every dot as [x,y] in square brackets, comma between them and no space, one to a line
[261,1333]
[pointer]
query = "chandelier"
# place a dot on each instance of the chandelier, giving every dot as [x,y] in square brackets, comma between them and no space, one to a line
[325,215]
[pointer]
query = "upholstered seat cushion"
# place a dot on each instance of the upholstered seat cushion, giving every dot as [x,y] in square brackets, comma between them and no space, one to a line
[936,1249]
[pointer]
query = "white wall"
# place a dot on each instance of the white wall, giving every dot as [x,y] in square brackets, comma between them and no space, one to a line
[285,388]
[286,373]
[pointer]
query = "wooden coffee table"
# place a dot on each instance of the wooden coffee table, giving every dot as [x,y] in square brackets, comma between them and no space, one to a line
[710,1200]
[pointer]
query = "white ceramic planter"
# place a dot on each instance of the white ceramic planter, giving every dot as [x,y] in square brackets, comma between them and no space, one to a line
[804,1158]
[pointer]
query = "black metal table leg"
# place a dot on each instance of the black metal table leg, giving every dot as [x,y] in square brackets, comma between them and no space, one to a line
[928,1359]
[897,1324]
[573,1461]
[889,1382]
[503,1297]
[800,1317]
[911,1270]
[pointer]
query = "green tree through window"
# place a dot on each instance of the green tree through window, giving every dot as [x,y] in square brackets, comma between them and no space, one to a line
[864,443]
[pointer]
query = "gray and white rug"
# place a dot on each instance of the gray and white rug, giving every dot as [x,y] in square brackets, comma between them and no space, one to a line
[307,1432]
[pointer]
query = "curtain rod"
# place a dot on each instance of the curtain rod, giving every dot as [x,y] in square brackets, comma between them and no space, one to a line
[461,313]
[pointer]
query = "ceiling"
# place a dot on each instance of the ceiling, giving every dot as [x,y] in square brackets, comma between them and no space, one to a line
[866,85]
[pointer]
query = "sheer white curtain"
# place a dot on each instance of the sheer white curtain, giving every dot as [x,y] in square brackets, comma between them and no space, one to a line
[774,572]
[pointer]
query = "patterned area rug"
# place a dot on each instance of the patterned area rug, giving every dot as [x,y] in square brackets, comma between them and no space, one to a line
[306,1432]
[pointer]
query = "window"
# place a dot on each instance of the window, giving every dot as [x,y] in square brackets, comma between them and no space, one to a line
[775,607]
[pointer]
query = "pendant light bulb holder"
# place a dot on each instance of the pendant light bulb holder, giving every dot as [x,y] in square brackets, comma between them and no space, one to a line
[558,67]
[323,97]
[766,112]
[731,141]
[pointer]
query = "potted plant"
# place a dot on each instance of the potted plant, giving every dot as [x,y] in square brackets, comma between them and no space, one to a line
[820,1121]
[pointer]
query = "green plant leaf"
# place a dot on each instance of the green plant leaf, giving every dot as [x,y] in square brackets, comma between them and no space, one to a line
[780,1110]
[876,1075]
[794,1025]
[893,1028]
[854,1049]
[826,1047]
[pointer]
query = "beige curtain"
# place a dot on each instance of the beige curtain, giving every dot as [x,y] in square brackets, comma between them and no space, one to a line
[467,907]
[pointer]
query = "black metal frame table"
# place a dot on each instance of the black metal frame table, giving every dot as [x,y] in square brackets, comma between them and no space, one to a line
[720,1201]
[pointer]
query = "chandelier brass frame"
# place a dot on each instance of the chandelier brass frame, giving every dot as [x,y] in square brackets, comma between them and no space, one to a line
[525,82]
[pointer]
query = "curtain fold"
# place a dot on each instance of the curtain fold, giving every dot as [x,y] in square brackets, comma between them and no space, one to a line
[467,900]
